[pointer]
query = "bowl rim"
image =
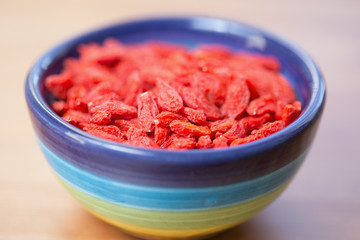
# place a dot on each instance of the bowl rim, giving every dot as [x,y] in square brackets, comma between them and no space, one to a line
[310,113]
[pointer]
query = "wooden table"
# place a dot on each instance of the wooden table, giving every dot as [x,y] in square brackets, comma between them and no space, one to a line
[323,202]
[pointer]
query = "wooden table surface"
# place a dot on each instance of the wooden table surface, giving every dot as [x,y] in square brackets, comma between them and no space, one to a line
[323,202]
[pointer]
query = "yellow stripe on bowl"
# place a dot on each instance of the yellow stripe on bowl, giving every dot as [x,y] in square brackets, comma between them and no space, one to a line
[174,224]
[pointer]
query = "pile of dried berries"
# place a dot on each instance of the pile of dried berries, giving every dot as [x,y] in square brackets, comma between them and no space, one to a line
[165,96]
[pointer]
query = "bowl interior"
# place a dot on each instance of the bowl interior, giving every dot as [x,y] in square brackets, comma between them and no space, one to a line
[192,32]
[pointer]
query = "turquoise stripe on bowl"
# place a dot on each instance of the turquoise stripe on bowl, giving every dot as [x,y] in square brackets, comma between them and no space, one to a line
[154,198]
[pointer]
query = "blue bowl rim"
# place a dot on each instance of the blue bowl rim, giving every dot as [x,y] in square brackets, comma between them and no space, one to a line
[310,113]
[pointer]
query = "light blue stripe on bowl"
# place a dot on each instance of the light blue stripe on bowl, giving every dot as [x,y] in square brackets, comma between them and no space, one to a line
[169,199]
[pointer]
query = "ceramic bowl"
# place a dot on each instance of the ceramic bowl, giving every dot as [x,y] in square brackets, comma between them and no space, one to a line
[162,194]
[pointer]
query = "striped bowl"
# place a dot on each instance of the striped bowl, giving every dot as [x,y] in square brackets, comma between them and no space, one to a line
[161,194]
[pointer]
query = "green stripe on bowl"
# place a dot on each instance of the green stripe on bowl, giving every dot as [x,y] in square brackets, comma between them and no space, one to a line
[176,219]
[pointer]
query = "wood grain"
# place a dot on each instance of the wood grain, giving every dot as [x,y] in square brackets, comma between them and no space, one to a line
[323,202]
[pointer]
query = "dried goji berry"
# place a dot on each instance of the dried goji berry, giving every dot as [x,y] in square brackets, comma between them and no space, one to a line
[261,105]
[101,99]
[161,134]
[134,87]
[187,129]
[118,109]
[251,123]
[165,118]
[195,99]
[236,131]
[138,137]
[109,54]
[212,87]
[124,70]
[268,62]
[224,73]
[258,81]
[124,125]
[147,110]
[109,132]
[101,118]
[240,141]
[102,89]
[212,51]
[75,117]
[151,73]
[206,63]
[205,124]
[268,129]
[162,50]
[182,143]
[111,129]
[167,97]
[279,109]
[178,62]
[59,84]
[220,142]
[102,134]
[195,116]
[204,142]
[218,134]
[282,90]
[169,140]
[222,125]
[60,107]
[76,98]
[237,99]
[94,74]
[291,112]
